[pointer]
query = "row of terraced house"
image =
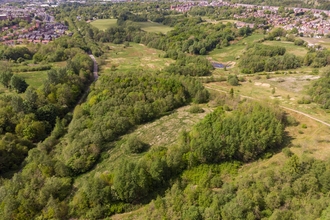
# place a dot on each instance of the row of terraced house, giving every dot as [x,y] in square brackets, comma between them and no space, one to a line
[39,33]
[309,22]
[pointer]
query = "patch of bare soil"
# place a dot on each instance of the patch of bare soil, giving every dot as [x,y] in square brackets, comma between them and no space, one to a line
[294,83]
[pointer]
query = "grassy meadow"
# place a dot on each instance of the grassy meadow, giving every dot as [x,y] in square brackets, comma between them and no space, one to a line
[35,78]
[134,57]
[289,46]
[231,53]
[103,24]
[147,26]
[154,27]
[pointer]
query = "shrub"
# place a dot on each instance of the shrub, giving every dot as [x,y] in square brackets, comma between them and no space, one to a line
[195,109]
[287,152]
[291,121]
[135,145]
[232,80]
[304,100]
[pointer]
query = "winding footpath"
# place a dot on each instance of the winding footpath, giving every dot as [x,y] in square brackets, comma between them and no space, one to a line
[95,75]
[95,69]
[286,108]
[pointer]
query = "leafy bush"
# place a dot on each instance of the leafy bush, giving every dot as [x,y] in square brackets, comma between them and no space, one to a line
[195,109]
[304,100]
[135,145]
[233,80]
[287,152]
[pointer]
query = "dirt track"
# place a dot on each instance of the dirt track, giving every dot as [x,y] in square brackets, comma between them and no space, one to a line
[286,108]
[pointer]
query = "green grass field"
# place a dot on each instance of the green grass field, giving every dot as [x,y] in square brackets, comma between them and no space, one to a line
[148,26]
[290,47]
[135,57]
[154,27]
[104,24]
[236,49]
[35,78]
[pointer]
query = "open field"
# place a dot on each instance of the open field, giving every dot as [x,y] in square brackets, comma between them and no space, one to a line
[289,46]
[225,21]
[104,24]
[324,42]
[230,53]
[148,26]
[35,78]
[154,27]
[135,57]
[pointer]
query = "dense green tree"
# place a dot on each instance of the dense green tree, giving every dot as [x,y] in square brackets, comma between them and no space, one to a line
[18,83]
[5,77]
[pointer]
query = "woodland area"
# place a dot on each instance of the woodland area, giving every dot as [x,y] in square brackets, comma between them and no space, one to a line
[55,143]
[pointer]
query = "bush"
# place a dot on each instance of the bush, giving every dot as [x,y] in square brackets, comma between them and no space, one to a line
[195,109]
[232,80]
[287,152]
[291,121]
[304,100]
[135,145]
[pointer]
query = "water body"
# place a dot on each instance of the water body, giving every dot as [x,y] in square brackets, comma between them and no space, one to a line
[218,65]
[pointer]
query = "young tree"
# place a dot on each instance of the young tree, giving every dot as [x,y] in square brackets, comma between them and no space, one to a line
[18,83]
[5,77]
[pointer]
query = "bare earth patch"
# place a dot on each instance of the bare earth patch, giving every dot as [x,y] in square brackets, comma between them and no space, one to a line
[294,83]
[262,84]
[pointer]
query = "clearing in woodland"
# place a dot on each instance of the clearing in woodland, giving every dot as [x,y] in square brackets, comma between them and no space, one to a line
[134,57]
[231,53]
[289,46]
[104,24]
[149,26]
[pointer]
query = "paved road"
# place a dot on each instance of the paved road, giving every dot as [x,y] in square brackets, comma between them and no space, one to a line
[96,76]
[290,109]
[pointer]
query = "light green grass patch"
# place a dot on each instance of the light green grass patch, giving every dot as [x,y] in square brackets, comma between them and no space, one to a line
[103,24]
[135,57]
[35,78]
[154,27]
[289,46]
[230,53]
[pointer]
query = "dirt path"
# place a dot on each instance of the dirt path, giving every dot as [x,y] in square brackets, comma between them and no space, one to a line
[286,108]
[95,75]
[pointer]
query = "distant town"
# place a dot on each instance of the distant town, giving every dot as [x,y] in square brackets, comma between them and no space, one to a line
[308,22]
[34,25]
[30,24]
